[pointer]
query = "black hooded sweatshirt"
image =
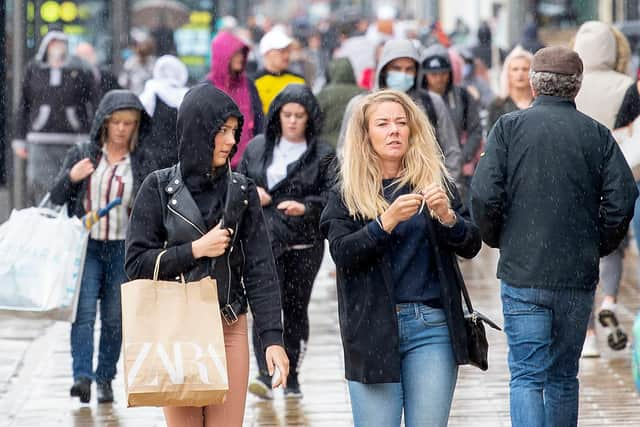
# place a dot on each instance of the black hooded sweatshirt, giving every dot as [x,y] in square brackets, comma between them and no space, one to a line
[55,108]
[308,180]
[177,205]
[64,191]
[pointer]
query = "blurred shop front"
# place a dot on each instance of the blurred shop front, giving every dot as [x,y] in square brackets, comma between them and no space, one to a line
[183,28]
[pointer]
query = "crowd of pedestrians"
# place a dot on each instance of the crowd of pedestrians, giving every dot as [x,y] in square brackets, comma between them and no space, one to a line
[396,150]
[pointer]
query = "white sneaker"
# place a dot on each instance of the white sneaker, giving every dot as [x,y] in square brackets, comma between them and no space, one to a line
[590,347]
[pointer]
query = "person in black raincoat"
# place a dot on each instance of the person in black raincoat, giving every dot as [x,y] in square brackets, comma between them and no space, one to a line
[209,221]
[111,165]
[396,225]
[294,170]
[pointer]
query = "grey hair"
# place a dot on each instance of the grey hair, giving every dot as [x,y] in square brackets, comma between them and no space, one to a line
[561,85]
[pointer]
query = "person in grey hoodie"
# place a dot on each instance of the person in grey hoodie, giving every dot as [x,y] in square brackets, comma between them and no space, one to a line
[398,69]
[437,76]
[601,95]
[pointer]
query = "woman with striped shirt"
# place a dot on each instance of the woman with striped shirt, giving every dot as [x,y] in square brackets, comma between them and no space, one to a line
[110,165]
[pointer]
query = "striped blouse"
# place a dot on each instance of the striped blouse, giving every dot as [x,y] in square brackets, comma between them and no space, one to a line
[106,183]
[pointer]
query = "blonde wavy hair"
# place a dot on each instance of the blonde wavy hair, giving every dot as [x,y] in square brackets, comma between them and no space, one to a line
[361,175]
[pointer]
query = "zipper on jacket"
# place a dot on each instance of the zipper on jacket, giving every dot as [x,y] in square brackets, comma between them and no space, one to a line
[186,220]
[233,241]
[228,257]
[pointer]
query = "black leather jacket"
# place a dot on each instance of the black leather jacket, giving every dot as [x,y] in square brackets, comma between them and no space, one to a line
[165,216]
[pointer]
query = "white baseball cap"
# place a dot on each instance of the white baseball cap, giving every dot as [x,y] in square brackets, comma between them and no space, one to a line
[274,39]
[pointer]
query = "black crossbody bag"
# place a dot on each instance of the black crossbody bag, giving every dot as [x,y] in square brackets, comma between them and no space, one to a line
[477,344]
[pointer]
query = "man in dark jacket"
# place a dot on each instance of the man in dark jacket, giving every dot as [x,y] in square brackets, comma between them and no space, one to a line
[53,113]
[554,193]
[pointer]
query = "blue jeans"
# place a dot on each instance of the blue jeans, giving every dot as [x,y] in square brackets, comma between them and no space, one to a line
[101,280]
[545,331]
[429,373]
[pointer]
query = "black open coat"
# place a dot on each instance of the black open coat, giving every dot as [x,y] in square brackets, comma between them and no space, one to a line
[308,180]
[366,303]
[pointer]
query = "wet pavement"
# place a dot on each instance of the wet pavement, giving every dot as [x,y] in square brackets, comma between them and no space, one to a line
[35,372]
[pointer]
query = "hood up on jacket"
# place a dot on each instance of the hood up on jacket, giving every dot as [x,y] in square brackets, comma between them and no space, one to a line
[300,94]
[392,50]
[202,113]
[41,55]
[596,45]
[169,82]
[223,47]
[441,54]
[341,72]
[113,101]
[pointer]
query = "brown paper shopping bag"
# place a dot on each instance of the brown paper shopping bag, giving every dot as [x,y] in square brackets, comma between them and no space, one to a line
[173,343]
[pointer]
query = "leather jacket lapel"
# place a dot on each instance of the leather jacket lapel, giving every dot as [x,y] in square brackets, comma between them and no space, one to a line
[180,201]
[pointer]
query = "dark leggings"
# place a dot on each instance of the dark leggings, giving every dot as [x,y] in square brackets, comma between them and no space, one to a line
[297,270]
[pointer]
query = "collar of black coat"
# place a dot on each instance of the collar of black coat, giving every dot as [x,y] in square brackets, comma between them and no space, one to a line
[547,99]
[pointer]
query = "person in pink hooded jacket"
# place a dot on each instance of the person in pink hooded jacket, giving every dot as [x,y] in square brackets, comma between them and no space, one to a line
[228,63]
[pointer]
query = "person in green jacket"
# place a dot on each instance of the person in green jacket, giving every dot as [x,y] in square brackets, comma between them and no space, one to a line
[335,96]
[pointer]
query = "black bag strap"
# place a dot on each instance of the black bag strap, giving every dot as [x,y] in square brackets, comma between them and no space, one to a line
[467,300]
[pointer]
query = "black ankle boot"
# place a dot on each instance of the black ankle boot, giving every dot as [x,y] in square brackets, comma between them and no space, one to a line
[105,392]
[81,388]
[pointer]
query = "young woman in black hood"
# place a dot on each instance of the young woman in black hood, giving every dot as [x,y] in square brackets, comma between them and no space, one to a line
[210,223]
[294,171]
[111,165]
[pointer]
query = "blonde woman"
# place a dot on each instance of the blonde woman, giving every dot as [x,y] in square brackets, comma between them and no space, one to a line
[111,165]
[515,89]
[395,224]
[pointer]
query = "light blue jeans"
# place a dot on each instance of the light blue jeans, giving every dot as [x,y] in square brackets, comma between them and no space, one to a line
[545,331]
[429,374]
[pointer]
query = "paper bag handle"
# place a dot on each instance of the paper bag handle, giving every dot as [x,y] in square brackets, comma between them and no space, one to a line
[156,269]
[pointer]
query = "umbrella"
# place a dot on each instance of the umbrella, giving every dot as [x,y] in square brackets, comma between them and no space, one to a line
[160,13]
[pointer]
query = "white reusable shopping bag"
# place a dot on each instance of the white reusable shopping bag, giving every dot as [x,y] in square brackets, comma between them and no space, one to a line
[41,262]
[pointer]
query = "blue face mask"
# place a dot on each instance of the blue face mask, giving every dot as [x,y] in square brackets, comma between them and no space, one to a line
[399,81]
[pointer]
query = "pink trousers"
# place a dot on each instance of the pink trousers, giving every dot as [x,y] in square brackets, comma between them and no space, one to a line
[231,412]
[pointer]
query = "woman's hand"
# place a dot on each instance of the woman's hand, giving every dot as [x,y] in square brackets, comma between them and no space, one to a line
[213,244]
[292,208]
[438,202]
[265,198]
[81,170]
[277,358]
[402,208]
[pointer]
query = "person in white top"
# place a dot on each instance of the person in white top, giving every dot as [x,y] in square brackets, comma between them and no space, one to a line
[293,171]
